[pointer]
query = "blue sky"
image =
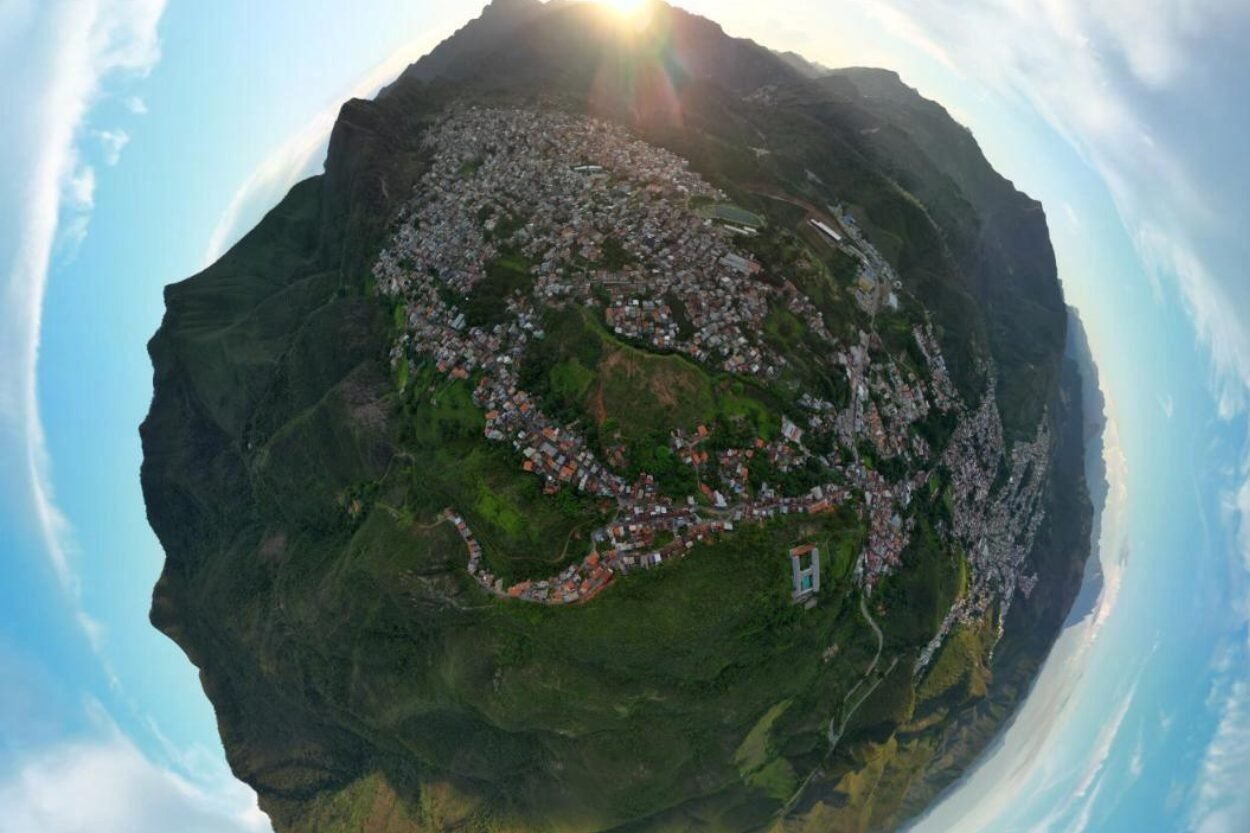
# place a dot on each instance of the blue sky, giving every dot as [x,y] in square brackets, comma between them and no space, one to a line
[142,139]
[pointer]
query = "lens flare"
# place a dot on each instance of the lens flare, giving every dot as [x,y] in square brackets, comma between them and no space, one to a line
[625,8]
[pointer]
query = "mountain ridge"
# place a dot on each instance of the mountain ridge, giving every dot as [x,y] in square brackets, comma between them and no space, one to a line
[246,383]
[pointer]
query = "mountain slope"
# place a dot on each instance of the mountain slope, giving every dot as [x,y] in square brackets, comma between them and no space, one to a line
[1007,254]
[359,682]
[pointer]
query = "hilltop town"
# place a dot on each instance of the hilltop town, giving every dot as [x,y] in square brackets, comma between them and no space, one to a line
[552,211]
[627,429]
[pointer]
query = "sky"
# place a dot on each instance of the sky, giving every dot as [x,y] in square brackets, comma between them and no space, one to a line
[143,138]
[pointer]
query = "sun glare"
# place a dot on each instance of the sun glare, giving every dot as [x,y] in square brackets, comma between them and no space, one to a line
[625,8]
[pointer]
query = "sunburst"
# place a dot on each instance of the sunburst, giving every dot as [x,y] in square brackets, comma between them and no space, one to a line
[626,8]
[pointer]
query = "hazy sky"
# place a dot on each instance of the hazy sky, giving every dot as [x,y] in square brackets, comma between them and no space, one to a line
[139,140]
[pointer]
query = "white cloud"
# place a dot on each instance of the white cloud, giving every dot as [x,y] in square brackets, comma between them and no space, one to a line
[1031,758]
[1218,319]
[113,142]
[70,52]
[1222,803]
[1066,67]
[1081,798]
[1157,38]
[77,202]
[80,188]
[297,158]
[1242,504]
[300,156]
[97,779]
[1107,77]
[1096,73]
[63,51]
[106,785]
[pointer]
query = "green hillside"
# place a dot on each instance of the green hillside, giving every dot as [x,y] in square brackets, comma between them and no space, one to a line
[297,477]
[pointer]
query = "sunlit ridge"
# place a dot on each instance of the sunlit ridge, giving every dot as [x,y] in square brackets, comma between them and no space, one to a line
[625,8]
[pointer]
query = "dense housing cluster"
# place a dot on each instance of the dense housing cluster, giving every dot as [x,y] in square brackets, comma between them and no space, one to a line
[996,512]
[526,211]
[603,218]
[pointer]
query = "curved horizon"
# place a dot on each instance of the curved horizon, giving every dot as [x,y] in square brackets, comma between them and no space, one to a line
[146,140]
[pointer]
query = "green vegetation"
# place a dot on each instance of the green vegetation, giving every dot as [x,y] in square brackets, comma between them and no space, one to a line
[506,275]
[571,381]
[620,394]
[523,534]
[958,669]
[369,804]
[615,257]
[363,682]
[402,373]
[753,754]
[916,598]
[450,414]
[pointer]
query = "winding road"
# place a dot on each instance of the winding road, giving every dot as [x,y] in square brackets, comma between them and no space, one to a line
[834,734]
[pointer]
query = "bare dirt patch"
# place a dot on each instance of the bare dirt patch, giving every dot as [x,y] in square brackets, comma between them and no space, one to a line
[598,411]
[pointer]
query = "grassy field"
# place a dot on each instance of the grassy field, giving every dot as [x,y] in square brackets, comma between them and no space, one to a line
[730,214]
[619,393]
[650,690]
[523,533]
[652,653]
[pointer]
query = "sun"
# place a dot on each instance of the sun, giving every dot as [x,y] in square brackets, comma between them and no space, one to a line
[626,8]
